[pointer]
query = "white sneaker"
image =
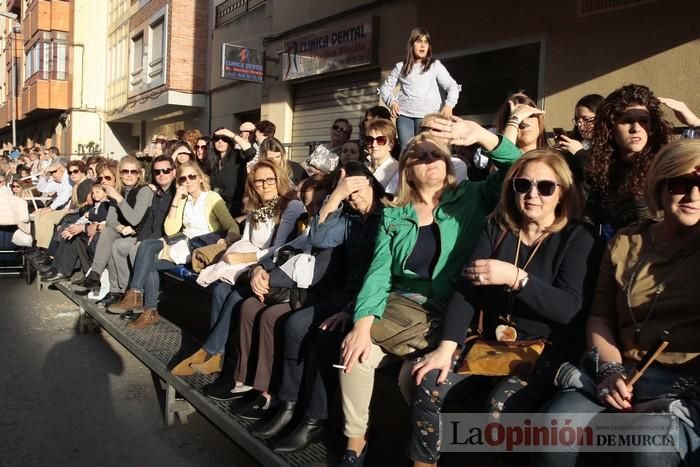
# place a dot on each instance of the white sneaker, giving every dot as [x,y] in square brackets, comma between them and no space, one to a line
[104,287]
[241,388]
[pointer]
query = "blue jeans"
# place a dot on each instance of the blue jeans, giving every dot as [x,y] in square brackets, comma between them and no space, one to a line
[224,300]
[574,401]
[145,274]
[407,127]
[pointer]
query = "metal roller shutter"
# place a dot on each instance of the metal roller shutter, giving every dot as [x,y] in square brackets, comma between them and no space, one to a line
[317,103]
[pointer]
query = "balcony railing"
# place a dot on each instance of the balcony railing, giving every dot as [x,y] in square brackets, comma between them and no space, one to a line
[232,9]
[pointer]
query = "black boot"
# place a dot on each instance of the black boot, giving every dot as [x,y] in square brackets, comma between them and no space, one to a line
[89,283]
[277,423]
[308,431]
[110,298]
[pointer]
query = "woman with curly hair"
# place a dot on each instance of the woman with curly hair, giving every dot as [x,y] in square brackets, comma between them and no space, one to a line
[629,130]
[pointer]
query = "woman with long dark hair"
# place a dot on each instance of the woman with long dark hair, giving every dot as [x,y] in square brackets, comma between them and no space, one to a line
[229,175]
[420,78]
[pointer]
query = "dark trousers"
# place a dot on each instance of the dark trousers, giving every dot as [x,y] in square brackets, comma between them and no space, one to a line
[308,350]
[259,337]
[86,252]
[66,255]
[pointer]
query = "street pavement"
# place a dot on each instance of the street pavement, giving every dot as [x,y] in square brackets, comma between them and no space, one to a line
[68,399]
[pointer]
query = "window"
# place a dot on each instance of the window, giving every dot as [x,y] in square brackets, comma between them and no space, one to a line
[488,77]
[137,54]
[155,59]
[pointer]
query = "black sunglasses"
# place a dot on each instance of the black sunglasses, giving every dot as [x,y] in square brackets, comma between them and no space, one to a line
[216,138]
[200,146]
[683,185]
[15,186]
[425,157]
[544,187]
[341,129]
[104,177]
[157,172]
[51,172]
[184,178]
[129,171]
[73,172]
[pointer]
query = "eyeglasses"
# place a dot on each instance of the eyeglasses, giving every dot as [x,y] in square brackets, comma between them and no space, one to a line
[264,181]
[425,157]
[200,146]
[544,187]
[104,177]
[341,129]
[129,171]
[581,121]
[184,178]
[683,185]
[157,172]
[73,172]
[380,140]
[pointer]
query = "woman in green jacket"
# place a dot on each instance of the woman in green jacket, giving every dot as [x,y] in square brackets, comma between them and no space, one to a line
[424,238]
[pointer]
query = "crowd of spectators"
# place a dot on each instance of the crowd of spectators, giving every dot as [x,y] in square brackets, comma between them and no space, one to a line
[583,240]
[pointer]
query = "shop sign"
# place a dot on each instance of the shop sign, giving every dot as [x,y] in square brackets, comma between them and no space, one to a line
[242,63]
[330,49]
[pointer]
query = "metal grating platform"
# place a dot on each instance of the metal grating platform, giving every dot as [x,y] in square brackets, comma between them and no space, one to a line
[160,347]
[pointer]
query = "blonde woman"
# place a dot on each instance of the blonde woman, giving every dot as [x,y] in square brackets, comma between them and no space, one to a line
[646,285]
[424,238]
[129,200]
[195,211]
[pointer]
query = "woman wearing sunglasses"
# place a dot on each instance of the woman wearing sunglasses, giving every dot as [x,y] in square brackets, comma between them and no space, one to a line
[629,130]
[424,238]
[646,285]
[228,177]
[529,273]
[522,122]
[206,158]
[195,211]
[380,140]
[324,159]
[273,211]
[128,208]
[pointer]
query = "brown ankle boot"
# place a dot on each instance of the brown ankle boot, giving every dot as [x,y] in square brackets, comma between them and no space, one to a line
[184,369]
[213,365]
[147,318]
[132,300]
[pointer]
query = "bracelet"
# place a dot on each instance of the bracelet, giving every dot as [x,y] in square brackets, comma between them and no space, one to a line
[513,124]
[611,368]
[514,118]
[517,275]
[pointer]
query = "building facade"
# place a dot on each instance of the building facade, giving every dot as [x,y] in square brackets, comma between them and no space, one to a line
[157,69]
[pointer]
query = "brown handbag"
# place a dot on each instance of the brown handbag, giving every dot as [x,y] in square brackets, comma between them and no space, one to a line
[406,327]
[500,357]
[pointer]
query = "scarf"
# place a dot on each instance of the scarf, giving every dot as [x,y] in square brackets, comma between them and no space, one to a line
[266,212]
